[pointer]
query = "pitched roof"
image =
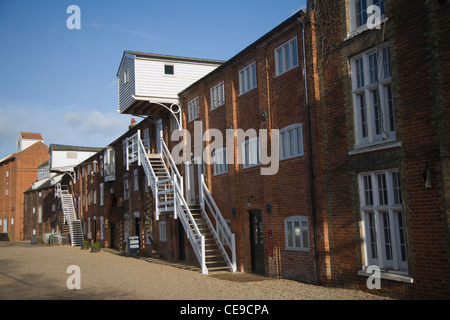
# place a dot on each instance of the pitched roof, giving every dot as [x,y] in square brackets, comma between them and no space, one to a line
[31,136]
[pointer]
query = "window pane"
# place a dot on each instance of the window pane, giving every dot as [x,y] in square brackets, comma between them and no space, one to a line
[305,234]
[299,141]
[377,112]
[368,190]
[372,235]
[288,56]
[382,190]
[396,187]
[402,237]
[297,233]
[290,237]
[359,73]
[362,108]
[361,12]
[291,142]
[386,62]
[295,52]
[373,68]
[387,236]
[390,104]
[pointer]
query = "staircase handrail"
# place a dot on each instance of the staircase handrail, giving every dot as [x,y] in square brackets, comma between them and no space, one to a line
[221,225]
[193,233]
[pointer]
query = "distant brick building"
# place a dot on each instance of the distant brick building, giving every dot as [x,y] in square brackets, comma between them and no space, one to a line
[17,172]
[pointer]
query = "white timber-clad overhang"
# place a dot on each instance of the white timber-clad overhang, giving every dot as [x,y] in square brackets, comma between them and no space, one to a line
[147,82]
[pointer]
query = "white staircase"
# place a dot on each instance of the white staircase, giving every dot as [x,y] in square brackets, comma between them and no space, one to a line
[75,228]
[166,184]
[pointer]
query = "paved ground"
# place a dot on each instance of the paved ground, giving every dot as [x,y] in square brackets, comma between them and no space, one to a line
[40,272]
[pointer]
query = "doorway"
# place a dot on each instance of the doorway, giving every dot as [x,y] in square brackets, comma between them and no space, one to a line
[257,241]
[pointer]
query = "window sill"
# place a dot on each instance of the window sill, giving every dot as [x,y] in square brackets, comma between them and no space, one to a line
[362,29]
[388,276]
[375,147]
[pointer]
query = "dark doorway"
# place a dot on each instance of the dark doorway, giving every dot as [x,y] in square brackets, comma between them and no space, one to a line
[256,240]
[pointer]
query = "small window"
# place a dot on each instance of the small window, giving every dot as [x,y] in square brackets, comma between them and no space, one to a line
[286,57]
[125,76]
[217,95]
[296,233]
[291,142]
[193,109]
[169,69]
[247,78]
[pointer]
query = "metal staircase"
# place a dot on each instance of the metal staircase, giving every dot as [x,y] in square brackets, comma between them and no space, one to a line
[166,184]
[75,227]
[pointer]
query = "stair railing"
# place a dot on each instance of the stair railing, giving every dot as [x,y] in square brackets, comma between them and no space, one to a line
[174,184]
[222,227]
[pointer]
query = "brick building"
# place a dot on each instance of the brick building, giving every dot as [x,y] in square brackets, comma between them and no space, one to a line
[17,172]
[382,132]
[41,208]
[260,88]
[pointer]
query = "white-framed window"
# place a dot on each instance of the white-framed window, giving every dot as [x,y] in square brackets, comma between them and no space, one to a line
[359,15]
[220,161]
[286,57]
[53,207]
[7,173]
[109,163]
[12,221]
[373,102]
[291,141]
[95,197]
[296,233]
[34,209]
[40,194]
[193,109]
[251,153]
[247,78]
[217,95]
[162,231]
[89,199]
[7,192]
[383,226]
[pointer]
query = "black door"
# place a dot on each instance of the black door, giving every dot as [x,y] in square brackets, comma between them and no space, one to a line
[182,255]
[256,240]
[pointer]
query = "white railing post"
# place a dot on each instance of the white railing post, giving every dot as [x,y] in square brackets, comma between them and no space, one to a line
[201,199]
[204,269]
[233,252]
[138,146]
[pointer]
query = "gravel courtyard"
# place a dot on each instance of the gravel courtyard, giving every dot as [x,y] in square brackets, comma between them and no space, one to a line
[40,272]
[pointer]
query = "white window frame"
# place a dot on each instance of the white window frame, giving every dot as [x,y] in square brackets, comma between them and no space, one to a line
[220,161]
[217,95]
[251,156]
[353,11]
[40,214]
[248,79]
[291,141]
[294,241]
[373,103]
[382,211]
[162,231]
[193,109]
[286,57]
[126,189]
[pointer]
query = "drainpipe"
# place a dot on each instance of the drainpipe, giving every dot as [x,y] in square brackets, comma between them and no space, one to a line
[308,135]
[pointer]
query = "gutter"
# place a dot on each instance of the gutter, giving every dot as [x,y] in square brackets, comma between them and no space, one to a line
[310,166]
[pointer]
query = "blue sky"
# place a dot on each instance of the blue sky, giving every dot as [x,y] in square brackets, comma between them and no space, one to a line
[62,83]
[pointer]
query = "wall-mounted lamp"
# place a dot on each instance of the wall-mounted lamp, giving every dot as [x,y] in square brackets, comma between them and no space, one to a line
[264,116]
[249,201]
